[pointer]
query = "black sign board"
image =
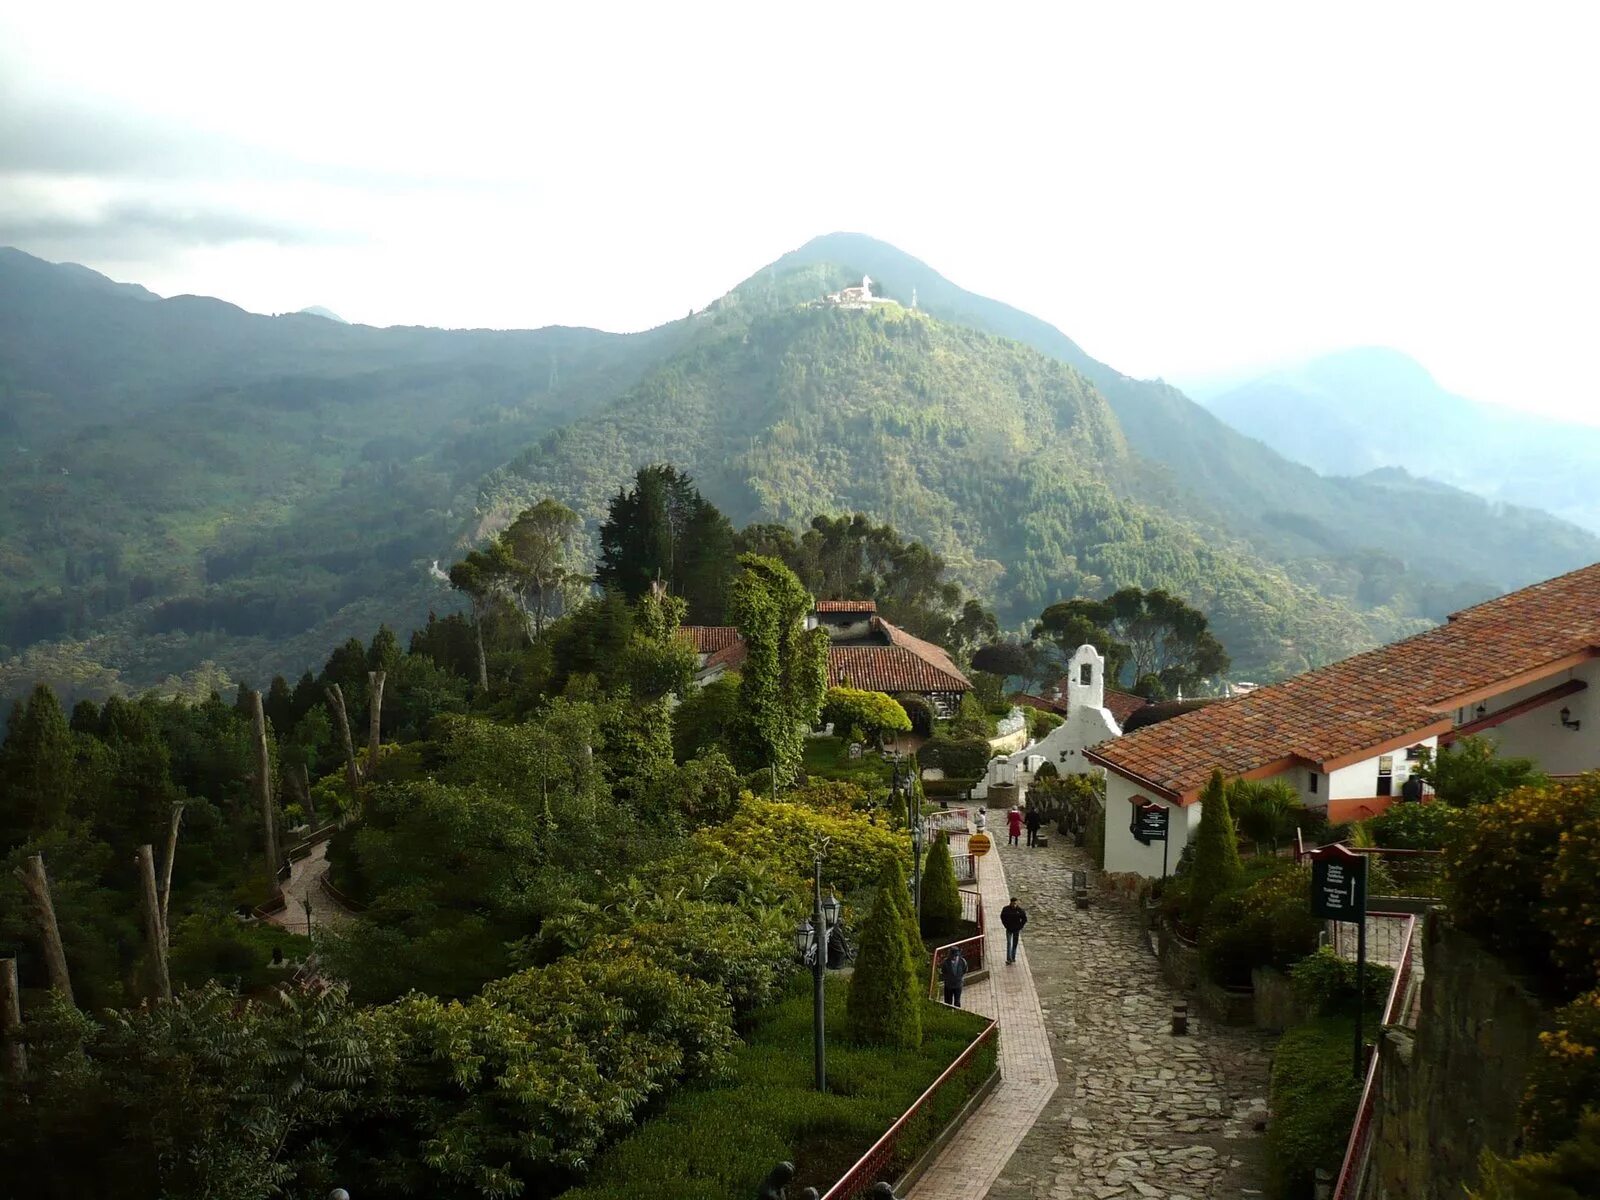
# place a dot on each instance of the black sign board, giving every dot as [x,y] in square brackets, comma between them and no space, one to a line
[1150,823]
[1338,884]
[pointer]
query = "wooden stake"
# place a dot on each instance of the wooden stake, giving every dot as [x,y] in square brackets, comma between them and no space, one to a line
[341,718]
[154,930]
[264,784]
[166,869]
[375,680]
[37,884]
[16,1054]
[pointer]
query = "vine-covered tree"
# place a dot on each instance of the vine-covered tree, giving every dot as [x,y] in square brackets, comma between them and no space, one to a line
[663,530]
[1152,640]
[786,670]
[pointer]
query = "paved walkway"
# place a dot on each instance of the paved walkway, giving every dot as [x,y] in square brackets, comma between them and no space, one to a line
[1140,1115]
[978,1153]
[305,886]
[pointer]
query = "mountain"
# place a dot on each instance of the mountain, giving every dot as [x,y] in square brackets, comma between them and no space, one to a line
[1350,412]
[1351,537]
[316,310]
[187,482]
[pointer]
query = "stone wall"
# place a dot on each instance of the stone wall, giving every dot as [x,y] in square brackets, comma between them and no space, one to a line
[1453,1088]
[1276,1006]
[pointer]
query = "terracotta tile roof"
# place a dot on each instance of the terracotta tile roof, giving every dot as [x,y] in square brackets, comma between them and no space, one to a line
[1374,702]
[1123,705]
[847,606]
[904,664]
[731,656]
[708,639]
[1043,703]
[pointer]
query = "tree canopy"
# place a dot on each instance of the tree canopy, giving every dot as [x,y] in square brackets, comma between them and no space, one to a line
[1153,641]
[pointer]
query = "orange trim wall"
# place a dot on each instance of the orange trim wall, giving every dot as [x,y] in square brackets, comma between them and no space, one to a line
[1358,808]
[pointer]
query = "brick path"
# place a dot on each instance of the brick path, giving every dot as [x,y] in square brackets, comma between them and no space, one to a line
[1140,1115]
[978,1153]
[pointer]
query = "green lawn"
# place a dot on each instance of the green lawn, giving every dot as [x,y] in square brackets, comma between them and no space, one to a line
[829,758]
[718,1143]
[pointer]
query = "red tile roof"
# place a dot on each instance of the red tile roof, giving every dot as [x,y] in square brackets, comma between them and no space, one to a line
[847,606]
[708,639]
[1374,702]
[731,656]
[1123,705]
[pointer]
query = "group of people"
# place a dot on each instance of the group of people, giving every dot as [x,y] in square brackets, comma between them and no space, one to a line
[953,970]
[1023,818]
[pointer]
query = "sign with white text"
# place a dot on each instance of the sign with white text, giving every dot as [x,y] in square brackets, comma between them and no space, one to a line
[1338,884]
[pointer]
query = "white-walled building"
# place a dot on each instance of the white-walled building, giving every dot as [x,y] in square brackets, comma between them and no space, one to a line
[1085,722]
[1520,670]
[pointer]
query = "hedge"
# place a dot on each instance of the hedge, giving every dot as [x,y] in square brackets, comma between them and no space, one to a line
[1313,1104]
[719,1142]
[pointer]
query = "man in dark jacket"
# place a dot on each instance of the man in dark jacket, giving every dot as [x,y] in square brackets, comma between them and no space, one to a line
[1033,820]
[1013,918]
[953,972]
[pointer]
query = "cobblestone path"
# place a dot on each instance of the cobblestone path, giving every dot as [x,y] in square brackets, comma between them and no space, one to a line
[1140,1114]
[304,886]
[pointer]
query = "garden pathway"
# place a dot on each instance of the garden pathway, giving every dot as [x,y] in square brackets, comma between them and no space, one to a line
[1140,1115]
[304,886]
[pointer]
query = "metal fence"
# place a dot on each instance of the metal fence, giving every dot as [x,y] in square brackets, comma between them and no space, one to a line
[971,948]
[887,1157]
[1397,1008]
[966,866]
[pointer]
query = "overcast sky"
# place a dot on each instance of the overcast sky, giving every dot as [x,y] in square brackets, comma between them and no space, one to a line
[1183,189]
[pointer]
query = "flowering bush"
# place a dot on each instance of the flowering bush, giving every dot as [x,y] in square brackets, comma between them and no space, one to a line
[1414,826]
[1572,891]
[1498,863]
[781,836]
[1566,1078]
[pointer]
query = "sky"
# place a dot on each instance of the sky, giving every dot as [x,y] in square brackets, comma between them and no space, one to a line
[1186,190]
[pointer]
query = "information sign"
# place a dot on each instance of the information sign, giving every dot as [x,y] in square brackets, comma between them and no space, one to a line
[1338,884]
[978,845]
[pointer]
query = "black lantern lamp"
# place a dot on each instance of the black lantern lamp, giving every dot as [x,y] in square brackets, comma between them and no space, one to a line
[1567,721]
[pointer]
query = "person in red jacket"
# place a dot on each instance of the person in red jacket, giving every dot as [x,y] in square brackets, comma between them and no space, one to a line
[1014,825]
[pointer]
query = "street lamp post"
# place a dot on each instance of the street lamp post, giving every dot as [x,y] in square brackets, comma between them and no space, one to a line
[811,940]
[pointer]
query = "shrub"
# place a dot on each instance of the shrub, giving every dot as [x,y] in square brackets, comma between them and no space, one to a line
[1413,826]
[941,898]
[1047,770]
[830,795]
[1040,722]
[1266,923]
[1265,811]
[1216,851]
[1569,1171]
[779,837]
[1565,1079]
[871,714]
[1326,983]
[1573,891]
[885,1003]
[973,720]
[946,789]
[892,882]
[965,757]
[1313,1102]
[1472,772]
[1498,859]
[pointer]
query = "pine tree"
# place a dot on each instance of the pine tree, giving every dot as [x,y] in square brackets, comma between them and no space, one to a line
[37,768]
[1216,867]
[941,898]
[884,1006]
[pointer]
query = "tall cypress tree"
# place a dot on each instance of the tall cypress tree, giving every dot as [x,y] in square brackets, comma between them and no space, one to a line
[892,879]
[1216,867]
[885,1003]
[37,768]
[941,898]
[664,529]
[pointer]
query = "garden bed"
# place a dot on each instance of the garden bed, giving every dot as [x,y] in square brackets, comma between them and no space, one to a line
[718,1142]
[829,758]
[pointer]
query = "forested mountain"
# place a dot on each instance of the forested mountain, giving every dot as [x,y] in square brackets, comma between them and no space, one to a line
[187,482]
[1358,410]
[1368,539]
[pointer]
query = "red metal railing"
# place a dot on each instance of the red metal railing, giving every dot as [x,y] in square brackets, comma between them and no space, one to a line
[881,1160]
[966,866]
[972,947]
[1353,1169]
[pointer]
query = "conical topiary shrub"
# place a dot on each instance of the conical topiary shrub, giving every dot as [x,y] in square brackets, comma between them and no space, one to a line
[1216,867]
[892,880]
[884,1007]
[941,899]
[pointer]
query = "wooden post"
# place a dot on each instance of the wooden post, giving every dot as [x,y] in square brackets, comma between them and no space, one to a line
[264,784]
[341,719]
[37,884]
[166,868]
[154,929]
[375,680]
[16,1055]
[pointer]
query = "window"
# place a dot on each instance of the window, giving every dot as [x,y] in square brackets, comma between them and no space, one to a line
[1312,779]
[1086,673]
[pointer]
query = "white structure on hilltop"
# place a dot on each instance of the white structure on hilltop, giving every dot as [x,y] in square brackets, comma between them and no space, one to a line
[1088,722]
[857,297]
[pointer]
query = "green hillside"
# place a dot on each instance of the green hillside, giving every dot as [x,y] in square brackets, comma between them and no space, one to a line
[1007,462]
[1366,540]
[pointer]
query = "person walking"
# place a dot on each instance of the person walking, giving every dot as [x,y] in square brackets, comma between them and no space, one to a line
[1013,826]
[1013,918]
[953,973]
[1033,820]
